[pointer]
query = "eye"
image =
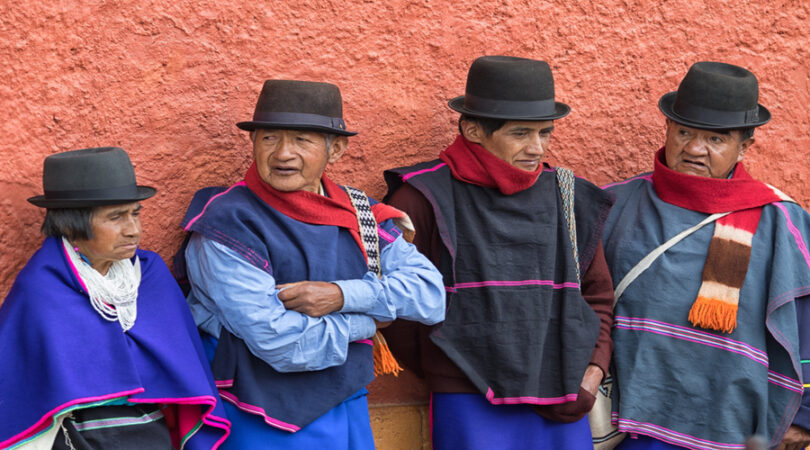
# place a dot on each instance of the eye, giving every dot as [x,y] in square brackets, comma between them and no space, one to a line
[519,133]
[716,140]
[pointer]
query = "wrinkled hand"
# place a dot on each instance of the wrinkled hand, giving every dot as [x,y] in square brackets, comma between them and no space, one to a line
[313,298]
[592,379]
[796,438]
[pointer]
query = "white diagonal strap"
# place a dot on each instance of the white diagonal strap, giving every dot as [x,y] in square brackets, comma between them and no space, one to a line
[647,261]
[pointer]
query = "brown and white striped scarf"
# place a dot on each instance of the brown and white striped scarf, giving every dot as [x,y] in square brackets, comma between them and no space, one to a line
[730,248]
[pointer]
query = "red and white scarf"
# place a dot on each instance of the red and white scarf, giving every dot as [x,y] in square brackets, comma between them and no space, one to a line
[730,248]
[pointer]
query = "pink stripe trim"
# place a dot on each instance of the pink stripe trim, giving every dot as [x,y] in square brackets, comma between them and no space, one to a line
[207,418]
[223,383]
[785,382]
[797,235]
[40,424]
[191,222]
[365,341]
[475,284]
[530,400]
[384,234]
[647,177]
[251,409]
[73,268]
[670,436]
[696,336]
[431,169]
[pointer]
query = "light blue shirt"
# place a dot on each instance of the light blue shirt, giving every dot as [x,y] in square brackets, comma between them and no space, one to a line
[227,290]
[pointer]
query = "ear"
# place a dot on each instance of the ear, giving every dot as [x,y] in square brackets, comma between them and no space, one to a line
[338,147]
[744,145]
[472,131]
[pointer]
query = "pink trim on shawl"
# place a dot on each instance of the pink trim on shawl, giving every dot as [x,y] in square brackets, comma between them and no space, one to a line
[385,235]
[189,422]
[530,400]
[251,409]
[670,436]
[365,341]
[41,425]
[431,169]
[191,222]
[797,235]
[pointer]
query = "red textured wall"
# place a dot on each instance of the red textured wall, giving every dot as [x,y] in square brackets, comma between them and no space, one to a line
[167,81]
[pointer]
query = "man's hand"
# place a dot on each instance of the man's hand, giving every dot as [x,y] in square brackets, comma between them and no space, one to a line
[796,438]
[313,298]
[592,379]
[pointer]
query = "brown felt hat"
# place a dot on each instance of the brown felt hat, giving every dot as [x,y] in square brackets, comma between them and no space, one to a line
[511,88]
[715,95]
[299,105]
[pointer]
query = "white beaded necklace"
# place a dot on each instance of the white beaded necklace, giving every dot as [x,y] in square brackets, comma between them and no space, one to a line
[114,296]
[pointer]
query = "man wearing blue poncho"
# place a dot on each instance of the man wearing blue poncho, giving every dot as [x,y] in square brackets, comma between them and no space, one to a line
[712,273]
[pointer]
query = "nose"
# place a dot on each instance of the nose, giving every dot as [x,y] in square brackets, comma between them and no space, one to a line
[535,147]
[285,150]
[695,146]
[132,228]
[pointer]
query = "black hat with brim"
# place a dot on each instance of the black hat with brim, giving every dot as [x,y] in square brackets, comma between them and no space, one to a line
[299,105]
[89,177]
[716,96]
[510,88]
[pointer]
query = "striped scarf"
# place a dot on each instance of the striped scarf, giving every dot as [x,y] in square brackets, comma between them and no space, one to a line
[730,248]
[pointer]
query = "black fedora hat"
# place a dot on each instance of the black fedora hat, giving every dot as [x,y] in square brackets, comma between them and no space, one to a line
[506,87]
[89,177]
[716,96]
[299,105]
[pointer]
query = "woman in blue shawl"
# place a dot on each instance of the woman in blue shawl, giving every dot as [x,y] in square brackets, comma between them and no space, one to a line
[99,348]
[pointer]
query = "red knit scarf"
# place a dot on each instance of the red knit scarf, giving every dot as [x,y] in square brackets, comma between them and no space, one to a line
[730,248]
[335,208]
[472,163]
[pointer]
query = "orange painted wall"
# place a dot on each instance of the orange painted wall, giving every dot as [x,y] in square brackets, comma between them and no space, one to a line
[167,80]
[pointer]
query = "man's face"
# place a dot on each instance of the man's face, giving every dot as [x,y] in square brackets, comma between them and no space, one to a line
[705,153]
[116,234]
[294,160]
[520,143]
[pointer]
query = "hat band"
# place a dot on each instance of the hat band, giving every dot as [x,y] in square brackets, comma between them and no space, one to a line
[299,119]
[694,113]
[113,193]
[530,108]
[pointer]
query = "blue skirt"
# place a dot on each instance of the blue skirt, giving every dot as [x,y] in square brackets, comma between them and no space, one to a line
[645,443]
[345,427]
[470,422]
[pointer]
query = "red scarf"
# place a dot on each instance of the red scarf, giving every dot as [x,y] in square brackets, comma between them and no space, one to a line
[730,248]
[472,163]
[335,208]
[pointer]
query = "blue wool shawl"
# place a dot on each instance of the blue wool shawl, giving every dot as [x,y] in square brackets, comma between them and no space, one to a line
[59,354]
[694,387]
